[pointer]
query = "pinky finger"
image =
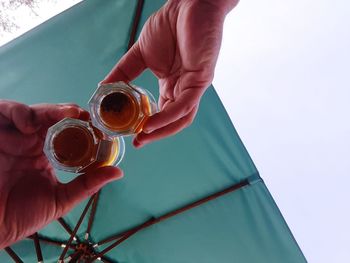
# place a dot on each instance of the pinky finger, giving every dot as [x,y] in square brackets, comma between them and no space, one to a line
[169,130]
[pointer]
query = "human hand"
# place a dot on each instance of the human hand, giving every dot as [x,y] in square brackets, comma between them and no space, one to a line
[30,194]
[180,44]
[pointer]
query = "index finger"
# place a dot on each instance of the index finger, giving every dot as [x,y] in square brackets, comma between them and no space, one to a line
[128,68]
[49,114]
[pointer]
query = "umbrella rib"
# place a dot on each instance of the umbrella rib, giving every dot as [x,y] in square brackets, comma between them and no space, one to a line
[122,239]
[92,215]
[39,254]
[105,260]
[123,236]
[136,22]
[66,227]
[51,242]
[13,255]
[74,257]
[76,229]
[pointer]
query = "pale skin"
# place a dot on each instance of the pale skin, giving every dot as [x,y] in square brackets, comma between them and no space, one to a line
[179,43]
[30,194]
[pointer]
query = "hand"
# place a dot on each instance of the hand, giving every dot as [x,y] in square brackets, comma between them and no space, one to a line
[30,194]
[180,43]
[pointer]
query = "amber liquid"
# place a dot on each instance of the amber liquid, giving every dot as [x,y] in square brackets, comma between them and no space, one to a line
[120,111]
[147,111]
[75,147]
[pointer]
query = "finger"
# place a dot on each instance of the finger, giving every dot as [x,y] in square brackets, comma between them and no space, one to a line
[167,86]
[16,114]
[161,102]
[85,185]
[129,66]
[11,163]
[13,142]
[169,130]
[49,114]
[174,110]
[82,115]
[165,104]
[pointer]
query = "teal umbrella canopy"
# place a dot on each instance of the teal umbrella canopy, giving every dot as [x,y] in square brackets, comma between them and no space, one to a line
[194,197]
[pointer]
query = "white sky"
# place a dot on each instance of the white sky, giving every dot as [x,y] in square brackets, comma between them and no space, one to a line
[26,20]
[283,76]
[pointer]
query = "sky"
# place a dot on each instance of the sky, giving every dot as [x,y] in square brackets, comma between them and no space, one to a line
[283,76]
[25,19]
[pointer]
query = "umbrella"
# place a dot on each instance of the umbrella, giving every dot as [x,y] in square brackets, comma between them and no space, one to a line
[194,197]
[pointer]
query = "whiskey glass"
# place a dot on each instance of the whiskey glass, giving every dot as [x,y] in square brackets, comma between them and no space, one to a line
[76,146]
[120,109]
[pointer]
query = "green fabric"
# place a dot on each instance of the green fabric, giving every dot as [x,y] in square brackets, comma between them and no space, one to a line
[62,61]
[242,226]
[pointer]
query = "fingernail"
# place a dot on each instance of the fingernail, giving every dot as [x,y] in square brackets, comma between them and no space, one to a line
[145,130]
[70,111]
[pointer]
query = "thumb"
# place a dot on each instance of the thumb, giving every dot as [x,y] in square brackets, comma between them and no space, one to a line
[129,66]
[85,185]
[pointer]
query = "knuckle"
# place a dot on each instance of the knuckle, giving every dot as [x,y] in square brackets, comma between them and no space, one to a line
[71,104]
